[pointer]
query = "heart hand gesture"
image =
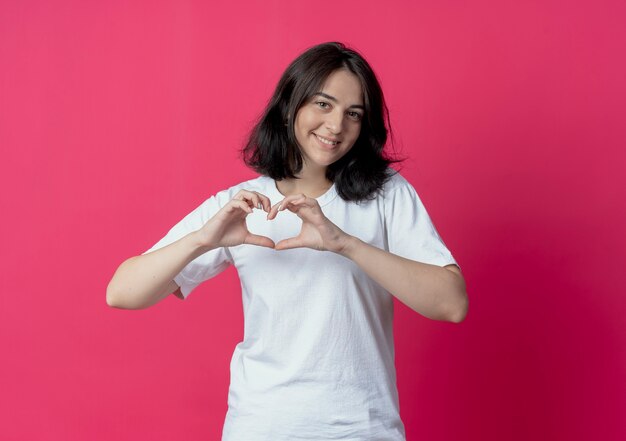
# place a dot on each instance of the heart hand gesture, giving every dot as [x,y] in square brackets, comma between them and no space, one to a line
[228,227]
[317,231]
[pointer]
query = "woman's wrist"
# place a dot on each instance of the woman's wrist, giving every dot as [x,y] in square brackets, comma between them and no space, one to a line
[348,244]
[200,243]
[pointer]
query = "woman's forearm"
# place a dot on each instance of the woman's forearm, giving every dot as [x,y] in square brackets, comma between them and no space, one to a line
[432,291]
[141,281]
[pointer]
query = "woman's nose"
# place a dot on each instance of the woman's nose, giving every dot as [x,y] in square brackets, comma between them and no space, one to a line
[334,123]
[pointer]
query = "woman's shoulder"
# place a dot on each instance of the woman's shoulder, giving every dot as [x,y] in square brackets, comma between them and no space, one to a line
[259,184]
[254,184]
[394,182]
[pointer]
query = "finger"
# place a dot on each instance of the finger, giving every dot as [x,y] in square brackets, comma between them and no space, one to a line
[290,243]
[274,210]
[262,241]
[265,202]
[302,201]
[283,204]
[247,197]
[253,198]
[261,201]
[290,199]
[243,195]
[295,206]
[238,204]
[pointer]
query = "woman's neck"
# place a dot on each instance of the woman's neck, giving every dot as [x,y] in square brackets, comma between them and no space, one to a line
[311,184]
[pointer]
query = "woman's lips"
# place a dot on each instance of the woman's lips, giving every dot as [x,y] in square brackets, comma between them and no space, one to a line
[325,142]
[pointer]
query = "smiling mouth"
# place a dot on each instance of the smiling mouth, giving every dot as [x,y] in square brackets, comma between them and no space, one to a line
[325,140]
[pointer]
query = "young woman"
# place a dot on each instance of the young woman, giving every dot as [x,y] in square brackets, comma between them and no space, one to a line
[321,240]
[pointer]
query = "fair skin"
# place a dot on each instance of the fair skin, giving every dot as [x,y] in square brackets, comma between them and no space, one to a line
[334,116]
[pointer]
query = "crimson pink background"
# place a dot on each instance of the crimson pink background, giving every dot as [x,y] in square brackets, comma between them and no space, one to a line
[117,118]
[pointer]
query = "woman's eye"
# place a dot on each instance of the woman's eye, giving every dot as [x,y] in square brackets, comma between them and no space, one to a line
[355,115]
[322,104]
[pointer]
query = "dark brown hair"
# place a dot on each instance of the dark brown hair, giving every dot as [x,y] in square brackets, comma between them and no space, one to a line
[272,149]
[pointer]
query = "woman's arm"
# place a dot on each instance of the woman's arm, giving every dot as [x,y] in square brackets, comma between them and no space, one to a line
[433,291]
[142,281]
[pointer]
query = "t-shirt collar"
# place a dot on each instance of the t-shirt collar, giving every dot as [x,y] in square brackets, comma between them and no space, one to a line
[276,196]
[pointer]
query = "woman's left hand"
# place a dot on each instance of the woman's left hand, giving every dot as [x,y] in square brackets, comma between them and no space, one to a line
[317,231]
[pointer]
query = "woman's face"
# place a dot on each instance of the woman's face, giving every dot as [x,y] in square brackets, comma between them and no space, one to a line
[329,123]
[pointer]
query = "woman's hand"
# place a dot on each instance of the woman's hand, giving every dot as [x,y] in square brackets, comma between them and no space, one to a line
[227,228]
[317,231]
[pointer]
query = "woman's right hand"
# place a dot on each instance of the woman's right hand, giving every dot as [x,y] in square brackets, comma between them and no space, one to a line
[227,228]
[142,281]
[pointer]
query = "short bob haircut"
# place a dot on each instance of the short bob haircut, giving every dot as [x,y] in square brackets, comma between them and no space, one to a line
[272,149]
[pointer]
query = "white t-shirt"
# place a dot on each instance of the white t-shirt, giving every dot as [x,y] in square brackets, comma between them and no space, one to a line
[317,358]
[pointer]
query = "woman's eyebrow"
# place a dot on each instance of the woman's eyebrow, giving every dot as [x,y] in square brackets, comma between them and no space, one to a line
[332,98]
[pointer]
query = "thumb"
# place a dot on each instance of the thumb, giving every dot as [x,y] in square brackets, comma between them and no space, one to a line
[287,244]
[262,241]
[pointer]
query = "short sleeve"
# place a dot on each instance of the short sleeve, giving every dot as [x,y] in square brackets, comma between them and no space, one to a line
[208,264]
[410,231]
